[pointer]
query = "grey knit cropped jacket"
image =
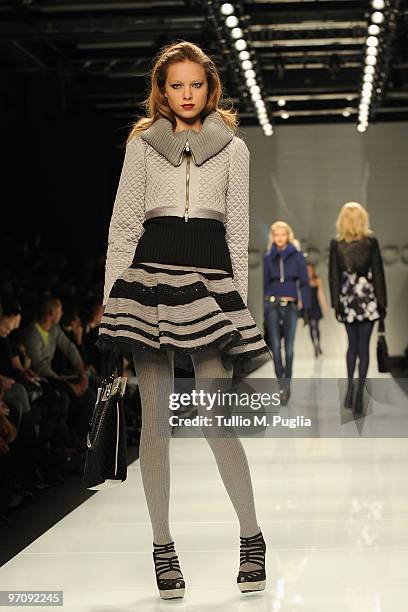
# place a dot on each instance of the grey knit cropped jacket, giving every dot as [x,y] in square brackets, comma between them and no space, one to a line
[187,174]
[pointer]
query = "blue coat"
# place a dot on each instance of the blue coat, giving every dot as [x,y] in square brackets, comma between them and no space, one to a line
[284,272]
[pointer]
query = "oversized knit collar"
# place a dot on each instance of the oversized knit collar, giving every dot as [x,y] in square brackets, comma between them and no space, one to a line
[213,136]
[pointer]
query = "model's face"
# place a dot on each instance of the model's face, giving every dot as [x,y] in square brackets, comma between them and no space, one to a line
[57,313]
[186,84]
[280,237]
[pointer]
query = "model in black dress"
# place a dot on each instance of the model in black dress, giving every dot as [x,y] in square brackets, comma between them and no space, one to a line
[357,290]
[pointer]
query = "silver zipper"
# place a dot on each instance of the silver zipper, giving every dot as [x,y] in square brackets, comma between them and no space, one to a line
[187,149]
[282,274]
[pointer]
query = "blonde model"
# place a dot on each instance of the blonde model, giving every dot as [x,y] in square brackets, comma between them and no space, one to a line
[357,289]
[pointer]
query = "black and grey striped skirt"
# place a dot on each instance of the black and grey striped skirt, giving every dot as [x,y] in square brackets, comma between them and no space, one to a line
[161,303]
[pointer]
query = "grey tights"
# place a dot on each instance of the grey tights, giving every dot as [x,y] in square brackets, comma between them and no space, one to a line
[155,374]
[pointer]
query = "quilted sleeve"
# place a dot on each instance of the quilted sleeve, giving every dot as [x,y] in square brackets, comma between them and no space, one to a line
[126,225]
[237,214]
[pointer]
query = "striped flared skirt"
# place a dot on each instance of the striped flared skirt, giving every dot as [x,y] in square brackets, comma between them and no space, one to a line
[155,306]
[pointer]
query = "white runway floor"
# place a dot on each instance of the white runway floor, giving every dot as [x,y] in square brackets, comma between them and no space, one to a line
[334,513]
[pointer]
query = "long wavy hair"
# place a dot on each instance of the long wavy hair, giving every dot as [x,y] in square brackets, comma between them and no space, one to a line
[353,222]
[156,104]
[289,231]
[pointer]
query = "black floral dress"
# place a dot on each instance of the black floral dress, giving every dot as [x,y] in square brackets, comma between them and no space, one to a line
[357,281]
[357,297]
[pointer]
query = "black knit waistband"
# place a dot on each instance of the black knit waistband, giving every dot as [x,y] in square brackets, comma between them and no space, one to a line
[196,242]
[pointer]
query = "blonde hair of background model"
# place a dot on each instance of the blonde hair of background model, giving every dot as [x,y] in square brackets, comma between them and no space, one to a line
[353,222]
[291,236]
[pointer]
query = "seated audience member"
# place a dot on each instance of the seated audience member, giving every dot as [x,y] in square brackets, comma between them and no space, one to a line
[15,394]
[42,338]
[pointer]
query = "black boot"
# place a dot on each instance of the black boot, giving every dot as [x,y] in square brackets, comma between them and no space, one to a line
[348,400]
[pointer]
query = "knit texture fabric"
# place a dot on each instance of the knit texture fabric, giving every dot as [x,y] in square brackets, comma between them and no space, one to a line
[210,140]
[148,180]
[170,240]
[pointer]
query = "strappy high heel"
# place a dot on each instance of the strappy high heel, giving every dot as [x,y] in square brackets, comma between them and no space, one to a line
[169,588]
[252,550]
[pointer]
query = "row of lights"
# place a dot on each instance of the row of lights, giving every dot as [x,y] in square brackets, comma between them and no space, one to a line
[377,19]
[240,44]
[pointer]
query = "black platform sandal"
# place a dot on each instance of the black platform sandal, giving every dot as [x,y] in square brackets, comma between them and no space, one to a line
[169,588]
[252,550]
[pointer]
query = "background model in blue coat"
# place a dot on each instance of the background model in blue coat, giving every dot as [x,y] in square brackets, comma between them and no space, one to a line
[285,272]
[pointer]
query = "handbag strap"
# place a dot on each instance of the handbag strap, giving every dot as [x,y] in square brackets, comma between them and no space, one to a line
[381,327]
[111,363]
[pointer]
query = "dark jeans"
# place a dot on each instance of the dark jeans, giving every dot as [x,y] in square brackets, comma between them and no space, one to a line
[281,322]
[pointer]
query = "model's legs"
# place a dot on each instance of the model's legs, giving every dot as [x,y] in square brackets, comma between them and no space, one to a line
[364,330]
[352,349]
[290,318]
[272,317]
[315,334]
[228,450]
[155,375]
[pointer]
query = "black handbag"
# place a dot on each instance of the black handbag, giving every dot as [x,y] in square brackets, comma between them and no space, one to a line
[383,357]
[106,456]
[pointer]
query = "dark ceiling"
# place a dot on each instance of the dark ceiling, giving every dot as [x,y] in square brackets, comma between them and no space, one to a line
[309,52]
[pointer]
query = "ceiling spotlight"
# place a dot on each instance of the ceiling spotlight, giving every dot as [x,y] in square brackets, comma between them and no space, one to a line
[364,106]
[256,96]
[281,102]
[371,60]
[260,104]
[378,4]
[368,78]
[246,65]
[250,74]
[227,8]
[240,44]
[255,89]
[231,21]
[373,29]
[244,55]
[361,127]
[369,70]
[263,120]
[346,113]
[237,33]
[377,17]
[268,129]
[372,51]
[250,82]
[285,115]
[372,41]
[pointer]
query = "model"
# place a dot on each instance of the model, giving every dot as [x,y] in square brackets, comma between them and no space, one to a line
[318,307]
[176,283]
[285,275]
[357,289]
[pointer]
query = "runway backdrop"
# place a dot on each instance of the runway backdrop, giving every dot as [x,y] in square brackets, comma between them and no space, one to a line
[303,174]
